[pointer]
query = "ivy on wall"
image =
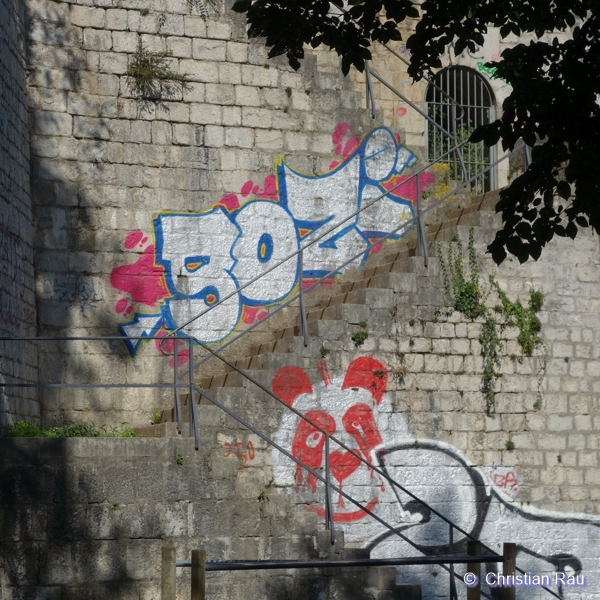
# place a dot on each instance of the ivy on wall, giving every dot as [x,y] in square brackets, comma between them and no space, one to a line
[465,294]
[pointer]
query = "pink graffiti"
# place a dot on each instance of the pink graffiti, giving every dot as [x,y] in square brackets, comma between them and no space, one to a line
[339,133]
[142,280]
[268,191]
[351,145]
[401,111]
[407,190]
[167,347]
[252,314]
[121,305]
[135,238]
[229,202]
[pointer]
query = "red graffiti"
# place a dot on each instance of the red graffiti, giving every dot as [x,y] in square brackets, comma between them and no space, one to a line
[235,449]
[506,481]
[369,374]
[358,422]
[289,382]
[142,280]
[323,369]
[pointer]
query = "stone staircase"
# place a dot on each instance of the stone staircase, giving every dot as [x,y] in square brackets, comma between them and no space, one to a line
[393,287]
[394,282]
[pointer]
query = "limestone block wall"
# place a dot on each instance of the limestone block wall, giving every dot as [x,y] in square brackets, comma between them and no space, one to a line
[105,165]
[17,297]
[87,518]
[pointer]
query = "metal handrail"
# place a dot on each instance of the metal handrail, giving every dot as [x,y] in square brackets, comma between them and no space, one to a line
[323,478]
[252,565]
[319,237]
[427,117]
[334,271]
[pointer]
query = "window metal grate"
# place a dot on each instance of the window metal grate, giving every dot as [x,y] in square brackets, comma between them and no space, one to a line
[473,106]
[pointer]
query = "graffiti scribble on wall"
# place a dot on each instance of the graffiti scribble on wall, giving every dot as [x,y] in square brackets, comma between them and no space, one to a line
[198,259]
[356,409]
[77,290]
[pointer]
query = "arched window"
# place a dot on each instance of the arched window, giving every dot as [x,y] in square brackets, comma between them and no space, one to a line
[473,106]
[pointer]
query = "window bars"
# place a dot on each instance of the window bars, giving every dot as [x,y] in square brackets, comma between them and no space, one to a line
[469,90]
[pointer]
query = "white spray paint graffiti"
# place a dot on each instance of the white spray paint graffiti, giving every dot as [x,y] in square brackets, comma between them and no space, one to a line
[204,257]
[480,501]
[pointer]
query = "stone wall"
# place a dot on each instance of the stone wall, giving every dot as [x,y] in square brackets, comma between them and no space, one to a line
[106,164]
[87,518]
[18,362]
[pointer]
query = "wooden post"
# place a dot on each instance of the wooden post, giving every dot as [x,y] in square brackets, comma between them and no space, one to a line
[473,549]
[167,590]
[198,574]
[508,569]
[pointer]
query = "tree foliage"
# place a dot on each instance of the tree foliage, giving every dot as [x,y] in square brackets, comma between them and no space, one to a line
[553,106]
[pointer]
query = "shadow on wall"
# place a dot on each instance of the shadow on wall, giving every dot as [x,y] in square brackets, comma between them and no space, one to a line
[46,533]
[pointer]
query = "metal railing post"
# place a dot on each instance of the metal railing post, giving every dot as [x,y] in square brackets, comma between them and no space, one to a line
[370,95]
[329,524]
[453,594]
[198,575]
[177,407]
[193,413]
[474,549]
[508,569]
[302,323]
[167,583]
[421,240]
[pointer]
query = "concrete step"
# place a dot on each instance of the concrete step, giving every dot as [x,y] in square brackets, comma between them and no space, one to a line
[407,591]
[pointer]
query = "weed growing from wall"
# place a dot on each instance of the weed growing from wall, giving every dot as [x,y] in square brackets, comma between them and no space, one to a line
[463,290]
[150,76]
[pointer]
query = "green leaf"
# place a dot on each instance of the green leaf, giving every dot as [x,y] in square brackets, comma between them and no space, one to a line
[563,189]
[241,6]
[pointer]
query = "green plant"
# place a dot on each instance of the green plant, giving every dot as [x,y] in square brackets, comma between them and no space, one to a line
[179,459]
[416,444]
[324,352]
[202,7]
[509,445]
[466,296]
[149,76]
[115,507]
[461,288]
[156,417]
[263,493]
[359,338]
[27,429]
[362,324]
[559,458]
[144,12]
